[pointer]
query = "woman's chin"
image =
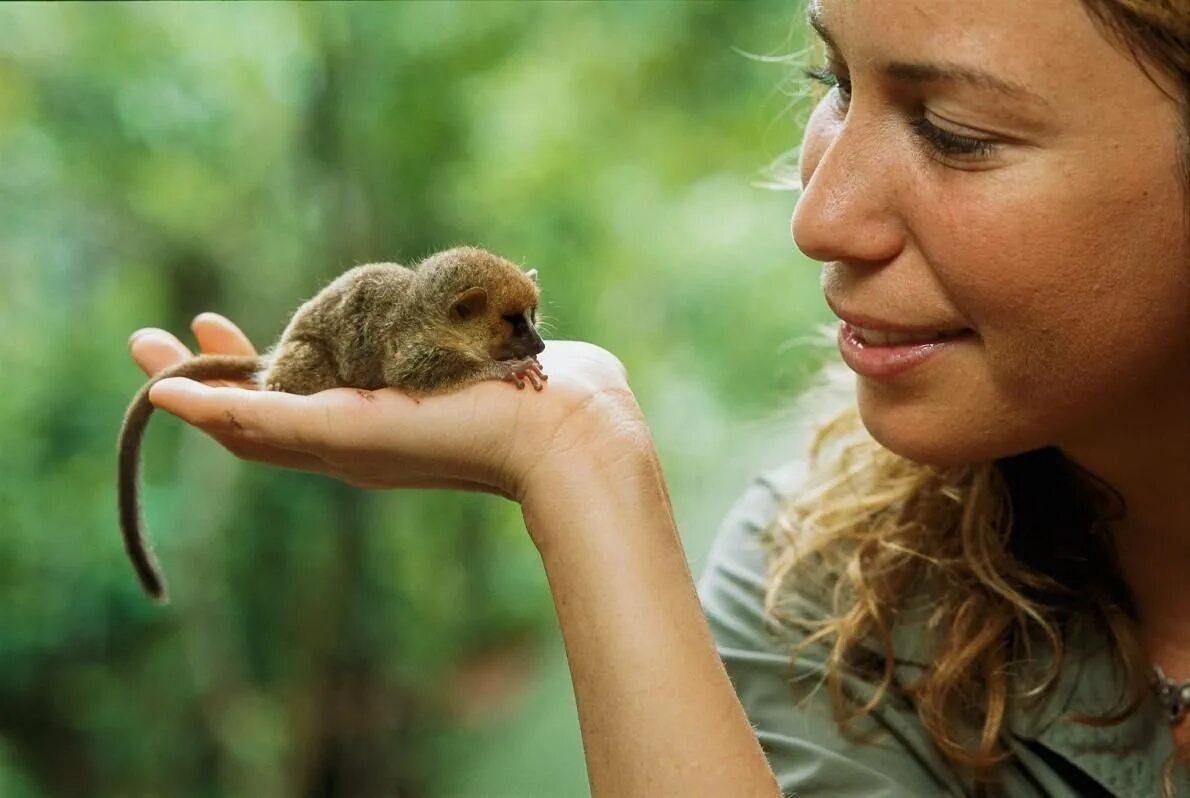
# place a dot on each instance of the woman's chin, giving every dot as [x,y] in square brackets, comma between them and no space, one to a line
[938,434]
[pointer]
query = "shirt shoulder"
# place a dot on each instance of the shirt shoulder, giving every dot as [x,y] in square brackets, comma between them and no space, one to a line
[1050,754]
[790,709]
[783,696]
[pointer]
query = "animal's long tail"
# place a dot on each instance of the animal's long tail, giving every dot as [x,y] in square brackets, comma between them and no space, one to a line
[203,367]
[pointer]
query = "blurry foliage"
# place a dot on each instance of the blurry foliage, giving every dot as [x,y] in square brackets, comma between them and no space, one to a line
[161,160]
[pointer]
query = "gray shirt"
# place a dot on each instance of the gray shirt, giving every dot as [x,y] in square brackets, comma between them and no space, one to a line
[1051,755]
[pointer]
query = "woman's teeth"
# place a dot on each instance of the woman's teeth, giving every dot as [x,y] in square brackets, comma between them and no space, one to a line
[882,338]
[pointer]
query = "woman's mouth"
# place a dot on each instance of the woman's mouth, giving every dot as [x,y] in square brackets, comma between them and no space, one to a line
[877,353]
[885,338]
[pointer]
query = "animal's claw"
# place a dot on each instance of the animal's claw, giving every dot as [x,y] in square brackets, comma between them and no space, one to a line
[530,371]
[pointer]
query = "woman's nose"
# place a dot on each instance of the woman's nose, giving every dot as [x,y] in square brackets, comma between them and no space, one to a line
[848,209]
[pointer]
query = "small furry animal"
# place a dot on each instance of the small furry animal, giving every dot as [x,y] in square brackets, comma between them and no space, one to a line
[459,317]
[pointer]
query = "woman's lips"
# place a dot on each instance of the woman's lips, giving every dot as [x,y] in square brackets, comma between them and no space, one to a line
[877,360]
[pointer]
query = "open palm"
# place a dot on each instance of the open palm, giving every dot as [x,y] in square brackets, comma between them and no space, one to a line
[488,437]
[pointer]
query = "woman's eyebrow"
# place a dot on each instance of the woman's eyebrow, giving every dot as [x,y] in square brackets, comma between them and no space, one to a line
[919,72]
[922,72]
[815,20]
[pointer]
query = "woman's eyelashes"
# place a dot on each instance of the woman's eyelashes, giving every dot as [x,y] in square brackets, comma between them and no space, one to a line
[941,141]
[951,144]
[827,77]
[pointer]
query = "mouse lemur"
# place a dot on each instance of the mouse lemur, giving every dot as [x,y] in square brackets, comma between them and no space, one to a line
[458,317]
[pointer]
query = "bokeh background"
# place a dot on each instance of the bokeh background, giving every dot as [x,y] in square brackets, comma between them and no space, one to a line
[157,161]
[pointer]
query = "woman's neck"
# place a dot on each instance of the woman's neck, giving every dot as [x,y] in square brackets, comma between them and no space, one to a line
[1148,462]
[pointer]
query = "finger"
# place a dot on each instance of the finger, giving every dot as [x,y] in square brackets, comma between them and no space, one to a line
[295,431]
[272,455]
[218,335]
[300,461]
[155,350]
[269,417]
[325,424]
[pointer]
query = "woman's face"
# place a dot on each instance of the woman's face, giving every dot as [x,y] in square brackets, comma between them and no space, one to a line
[1061,240]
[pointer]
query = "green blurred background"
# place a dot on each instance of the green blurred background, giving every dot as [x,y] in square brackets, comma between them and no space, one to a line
[157,161]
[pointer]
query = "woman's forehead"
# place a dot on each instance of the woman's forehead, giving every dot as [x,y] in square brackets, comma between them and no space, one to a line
[1049,53]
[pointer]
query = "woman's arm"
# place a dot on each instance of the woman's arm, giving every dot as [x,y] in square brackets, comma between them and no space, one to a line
[659,716]
[657,711]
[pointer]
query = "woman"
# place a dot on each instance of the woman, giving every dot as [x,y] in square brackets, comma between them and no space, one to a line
[1013,176]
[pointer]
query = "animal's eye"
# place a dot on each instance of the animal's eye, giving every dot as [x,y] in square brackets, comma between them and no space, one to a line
[512,318]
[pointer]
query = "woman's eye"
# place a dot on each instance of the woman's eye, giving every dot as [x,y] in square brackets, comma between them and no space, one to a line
[951,144]
[827,77]
[941,141]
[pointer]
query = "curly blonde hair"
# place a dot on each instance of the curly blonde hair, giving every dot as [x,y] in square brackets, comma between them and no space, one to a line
[1010,552]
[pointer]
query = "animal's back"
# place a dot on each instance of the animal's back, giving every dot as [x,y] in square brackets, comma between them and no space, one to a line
[350,319]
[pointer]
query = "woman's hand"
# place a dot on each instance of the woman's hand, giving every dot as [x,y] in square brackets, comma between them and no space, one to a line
[579,458]
[488,437]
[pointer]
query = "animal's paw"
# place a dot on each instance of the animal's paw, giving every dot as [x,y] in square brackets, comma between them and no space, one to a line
[530,370]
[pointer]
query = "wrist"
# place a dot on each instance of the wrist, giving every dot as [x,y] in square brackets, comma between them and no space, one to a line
[604,466]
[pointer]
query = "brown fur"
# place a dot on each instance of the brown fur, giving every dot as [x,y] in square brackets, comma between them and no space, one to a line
[461,316]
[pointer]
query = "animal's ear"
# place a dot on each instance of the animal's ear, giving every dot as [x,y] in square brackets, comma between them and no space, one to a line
[532,275]
[470,303]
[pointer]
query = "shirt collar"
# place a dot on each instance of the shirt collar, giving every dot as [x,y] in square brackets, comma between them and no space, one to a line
[1127,758]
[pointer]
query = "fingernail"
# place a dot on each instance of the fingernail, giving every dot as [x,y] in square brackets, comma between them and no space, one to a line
[132,339]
